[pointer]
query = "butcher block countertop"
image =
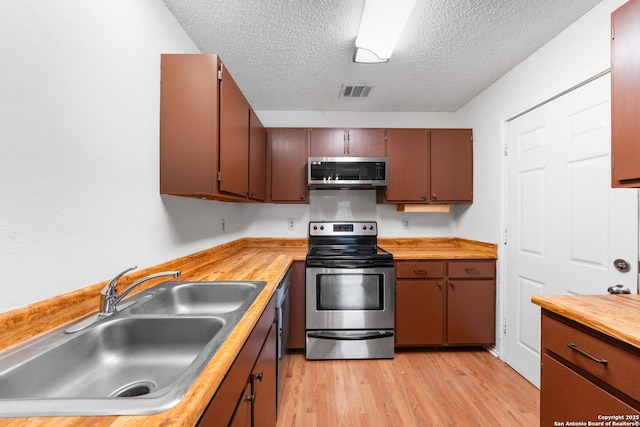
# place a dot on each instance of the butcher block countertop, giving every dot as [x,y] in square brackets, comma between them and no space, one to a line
[438,248]
[261,259]
[617,316]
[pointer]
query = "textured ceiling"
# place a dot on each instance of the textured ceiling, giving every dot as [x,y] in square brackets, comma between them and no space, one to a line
[297,54]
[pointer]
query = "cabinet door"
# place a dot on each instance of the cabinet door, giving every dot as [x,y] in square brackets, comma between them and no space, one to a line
[234,138]
[189,124]
[366,143]
[419,312]
[471,312]
[242,414]
[451,165]
[289,155]
[257,158]
[407,153]
[297,305]
[263,379]
[625,86]
[328,142]
[566,395]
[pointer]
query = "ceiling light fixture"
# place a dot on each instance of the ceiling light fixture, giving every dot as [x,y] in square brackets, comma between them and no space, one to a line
[380,27]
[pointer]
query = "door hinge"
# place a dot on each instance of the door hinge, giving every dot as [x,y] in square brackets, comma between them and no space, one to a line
[504,326]
[613,163]
[613,33]
[505,237]
[220,74]
[219,176]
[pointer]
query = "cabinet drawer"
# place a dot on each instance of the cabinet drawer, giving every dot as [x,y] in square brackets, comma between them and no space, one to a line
[565,395]
[472,269]
[581,348]
[419,269]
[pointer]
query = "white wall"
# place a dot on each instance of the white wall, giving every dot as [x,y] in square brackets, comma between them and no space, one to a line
[79,109]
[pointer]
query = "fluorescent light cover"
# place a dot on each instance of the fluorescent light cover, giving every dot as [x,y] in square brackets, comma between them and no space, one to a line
[380,27]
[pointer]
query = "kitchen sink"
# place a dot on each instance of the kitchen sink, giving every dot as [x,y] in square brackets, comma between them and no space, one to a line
[140,360]
[198,298]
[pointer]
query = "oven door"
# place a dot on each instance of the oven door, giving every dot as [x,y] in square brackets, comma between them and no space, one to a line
[350,298]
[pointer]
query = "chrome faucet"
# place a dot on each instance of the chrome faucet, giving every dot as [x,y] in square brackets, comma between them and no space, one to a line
[109,295]
[110,299]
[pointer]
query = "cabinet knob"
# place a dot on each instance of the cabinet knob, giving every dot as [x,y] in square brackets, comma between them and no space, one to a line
[424,197]
[302,197]
[434,196]
[251,397]
[258,376]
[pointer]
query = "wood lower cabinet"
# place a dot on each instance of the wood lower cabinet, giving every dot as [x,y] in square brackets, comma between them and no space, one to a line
[625,87]
[586,375]
[297,307]
[288,154]
[445,303]
[247,395]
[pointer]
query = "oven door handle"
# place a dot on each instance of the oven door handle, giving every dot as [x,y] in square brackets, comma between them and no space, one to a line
[330,335]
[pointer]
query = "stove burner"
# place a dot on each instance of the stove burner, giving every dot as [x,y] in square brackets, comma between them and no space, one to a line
[346,244]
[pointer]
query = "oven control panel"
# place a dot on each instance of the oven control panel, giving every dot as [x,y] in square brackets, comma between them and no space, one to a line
[349,228]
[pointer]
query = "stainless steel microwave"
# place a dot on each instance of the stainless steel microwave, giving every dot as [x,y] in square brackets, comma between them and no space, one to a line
[348,172]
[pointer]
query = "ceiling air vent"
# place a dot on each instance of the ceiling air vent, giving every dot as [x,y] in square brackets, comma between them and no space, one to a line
[355,91]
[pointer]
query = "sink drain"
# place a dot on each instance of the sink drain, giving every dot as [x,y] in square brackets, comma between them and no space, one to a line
[139,388]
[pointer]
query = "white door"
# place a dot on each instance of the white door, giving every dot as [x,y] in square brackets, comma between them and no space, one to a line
[565,225]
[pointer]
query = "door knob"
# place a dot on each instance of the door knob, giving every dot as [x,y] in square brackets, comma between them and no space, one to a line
[618,289]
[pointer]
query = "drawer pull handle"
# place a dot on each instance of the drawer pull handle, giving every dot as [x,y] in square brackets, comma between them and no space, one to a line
[573,347]
[419,271]
[472,270]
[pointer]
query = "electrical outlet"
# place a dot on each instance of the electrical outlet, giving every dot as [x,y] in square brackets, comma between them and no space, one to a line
[406,224]
[291,224]
[223,224]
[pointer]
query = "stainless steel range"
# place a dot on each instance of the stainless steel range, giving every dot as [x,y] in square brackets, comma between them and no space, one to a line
[350,288]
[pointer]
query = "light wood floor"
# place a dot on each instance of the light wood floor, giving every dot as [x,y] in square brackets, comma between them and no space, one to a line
[426,388]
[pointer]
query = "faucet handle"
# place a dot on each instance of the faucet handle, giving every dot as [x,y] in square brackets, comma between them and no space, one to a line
[111,288]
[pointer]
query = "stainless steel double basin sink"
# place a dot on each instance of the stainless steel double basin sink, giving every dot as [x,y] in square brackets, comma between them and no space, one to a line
[140,360]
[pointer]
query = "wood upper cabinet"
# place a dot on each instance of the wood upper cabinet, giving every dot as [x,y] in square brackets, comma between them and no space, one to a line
[204,130]
[451,165]
[331,142]
[257,158]
[586,374]
[445,303]
[234,137]
[408,155]
[288,155]
[429,166]
[625,95]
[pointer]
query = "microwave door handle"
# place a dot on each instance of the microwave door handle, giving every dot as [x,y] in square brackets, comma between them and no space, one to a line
[351,337]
